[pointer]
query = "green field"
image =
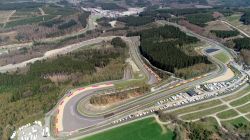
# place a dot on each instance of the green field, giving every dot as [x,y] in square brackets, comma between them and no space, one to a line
[209,123]
[56,10]
[241,101]
[227,114]
[248,116]
[147,129]
[130,83]
[203,113]
[237,95]
[235,20]
[30,20]
[222,57]
[236,122]
[31,15]
[245,108]
[196,107]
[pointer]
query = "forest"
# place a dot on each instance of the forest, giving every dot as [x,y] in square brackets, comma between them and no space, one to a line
[68,24]
[27,96]
[23,5]
[136,21]
[105,99]
[110,6]
[83,18]
[161,47]
[118,43]
[200,19]
[245,18]
[225,34]
[242,43]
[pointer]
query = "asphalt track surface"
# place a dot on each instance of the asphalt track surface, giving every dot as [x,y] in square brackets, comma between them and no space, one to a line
[73,121]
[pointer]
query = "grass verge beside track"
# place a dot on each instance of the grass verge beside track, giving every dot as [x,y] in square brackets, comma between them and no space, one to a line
[146,129]
[245,108]
[200,114]
[239,94]
[222,57]
[227,114]
[241,101]
[196,107]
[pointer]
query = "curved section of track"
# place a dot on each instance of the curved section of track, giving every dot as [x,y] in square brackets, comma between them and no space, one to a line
[72,121]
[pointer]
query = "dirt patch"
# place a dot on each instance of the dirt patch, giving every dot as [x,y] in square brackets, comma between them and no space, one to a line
[7,37]
[58,78]
[5,15]
[110,99]
[228,75]
[217,15]
[133,65]
[217,25]
[192,27]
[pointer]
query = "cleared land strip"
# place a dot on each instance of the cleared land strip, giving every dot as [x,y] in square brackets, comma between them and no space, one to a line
[42,12]
[4,15]
[236,28]
[8,18]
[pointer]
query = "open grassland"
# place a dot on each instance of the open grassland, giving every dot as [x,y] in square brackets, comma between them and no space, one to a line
[55,10]
[130,83]
[209,123]
[4,15]
[200,114]
[30,20]
[237,95]
[241,101]
[24,13]
[196,107]
[235,21]
[217,25]
[248,116]
[245,108]
[147,129]
[227,114]
[222,57]
[33,15]
[236,122]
